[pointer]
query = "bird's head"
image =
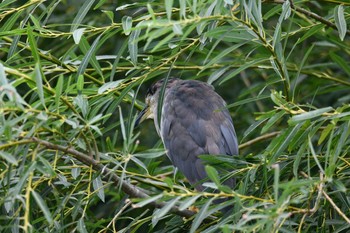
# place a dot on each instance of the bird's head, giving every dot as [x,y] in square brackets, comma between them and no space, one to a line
[152,99]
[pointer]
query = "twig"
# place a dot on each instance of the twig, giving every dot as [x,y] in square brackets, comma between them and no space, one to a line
[335,207]
[263,137]
[108,174]
[328,198]
[311,15]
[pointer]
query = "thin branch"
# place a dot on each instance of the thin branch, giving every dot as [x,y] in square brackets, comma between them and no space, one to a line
[261,138]
[311,15]
[108,174]
[335,207]
[328,198]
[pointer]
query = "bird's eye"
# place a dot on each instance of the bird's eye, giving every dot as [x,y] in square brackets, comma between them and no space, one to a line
[152,90]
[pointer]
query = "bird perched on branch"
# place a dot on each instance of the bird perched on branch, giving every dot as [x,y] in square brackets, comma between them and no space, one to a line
[193,121]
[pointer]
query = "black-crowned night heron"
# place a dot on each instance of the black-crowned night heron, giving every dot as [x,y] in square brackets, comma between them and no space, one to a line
[194,121]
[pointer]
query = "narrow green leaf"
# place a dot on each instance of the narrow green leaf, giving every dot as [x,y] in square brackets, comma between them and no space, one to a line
[298,157]
[313,30]
[88,56]
[203,213]
[3,79]
[75,172]
[151,11]
[156,34]
[165,209]
[286,10]
[47,166]
[39,83]
[301,66]
[233,33]
[96,118]
[168,8]
[274,66]
[83,10]
[125,6]
[23,178]
[217,74]
[177,29]
[98,186]
[341,62]
[340,21]
[243,67]
[248,100]
[35,22]
[99,4]
[276,168]
[82,103]
[80,84]
[149,200]
[8,157]
[325,133]
[286,137]
[210,9]
[139,163]
[10,21]
[122,125]
[81,226]
[41,203]
[110,85]
[169,182]
[188,202]
[77,35]
[213,174]
[32,44]
[272,121]
[133,45]
[58,92]
[277,98]
[311,147]
[344,129]
[163,41]
[96,129]
[151,154]
[253,126]
[127,24]
[340,186]
[117,59]
[222,54]
[194,6]
[309,115]
[182,8]
[110,15]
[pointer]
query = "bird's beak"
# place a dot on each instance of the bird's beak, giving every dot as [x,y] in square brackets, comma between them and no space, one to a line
[143,115]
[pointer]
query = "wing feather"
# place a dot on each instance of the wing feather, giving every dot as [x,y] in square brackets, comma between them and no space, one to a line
[195,122]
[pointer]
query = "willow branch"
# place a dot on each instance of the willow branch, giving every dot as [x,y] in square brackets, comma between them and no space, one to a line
[310,14]
[109,175]
[258,139]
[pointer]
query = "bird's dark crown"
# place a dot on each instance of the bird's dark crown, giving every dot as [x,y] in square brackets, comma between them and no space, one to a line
[158,85]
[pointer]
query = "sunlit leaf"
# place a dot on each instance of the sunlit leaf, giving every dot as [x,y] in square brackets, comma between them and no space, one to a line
[168,8]
[127,24]
[98,186]
[8,157]
[77,35]
[83,10]
[340,21]
[310,115]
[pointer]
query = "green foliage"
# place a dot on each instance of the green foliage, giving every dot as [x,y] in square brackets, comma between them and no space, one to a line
[70,77]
